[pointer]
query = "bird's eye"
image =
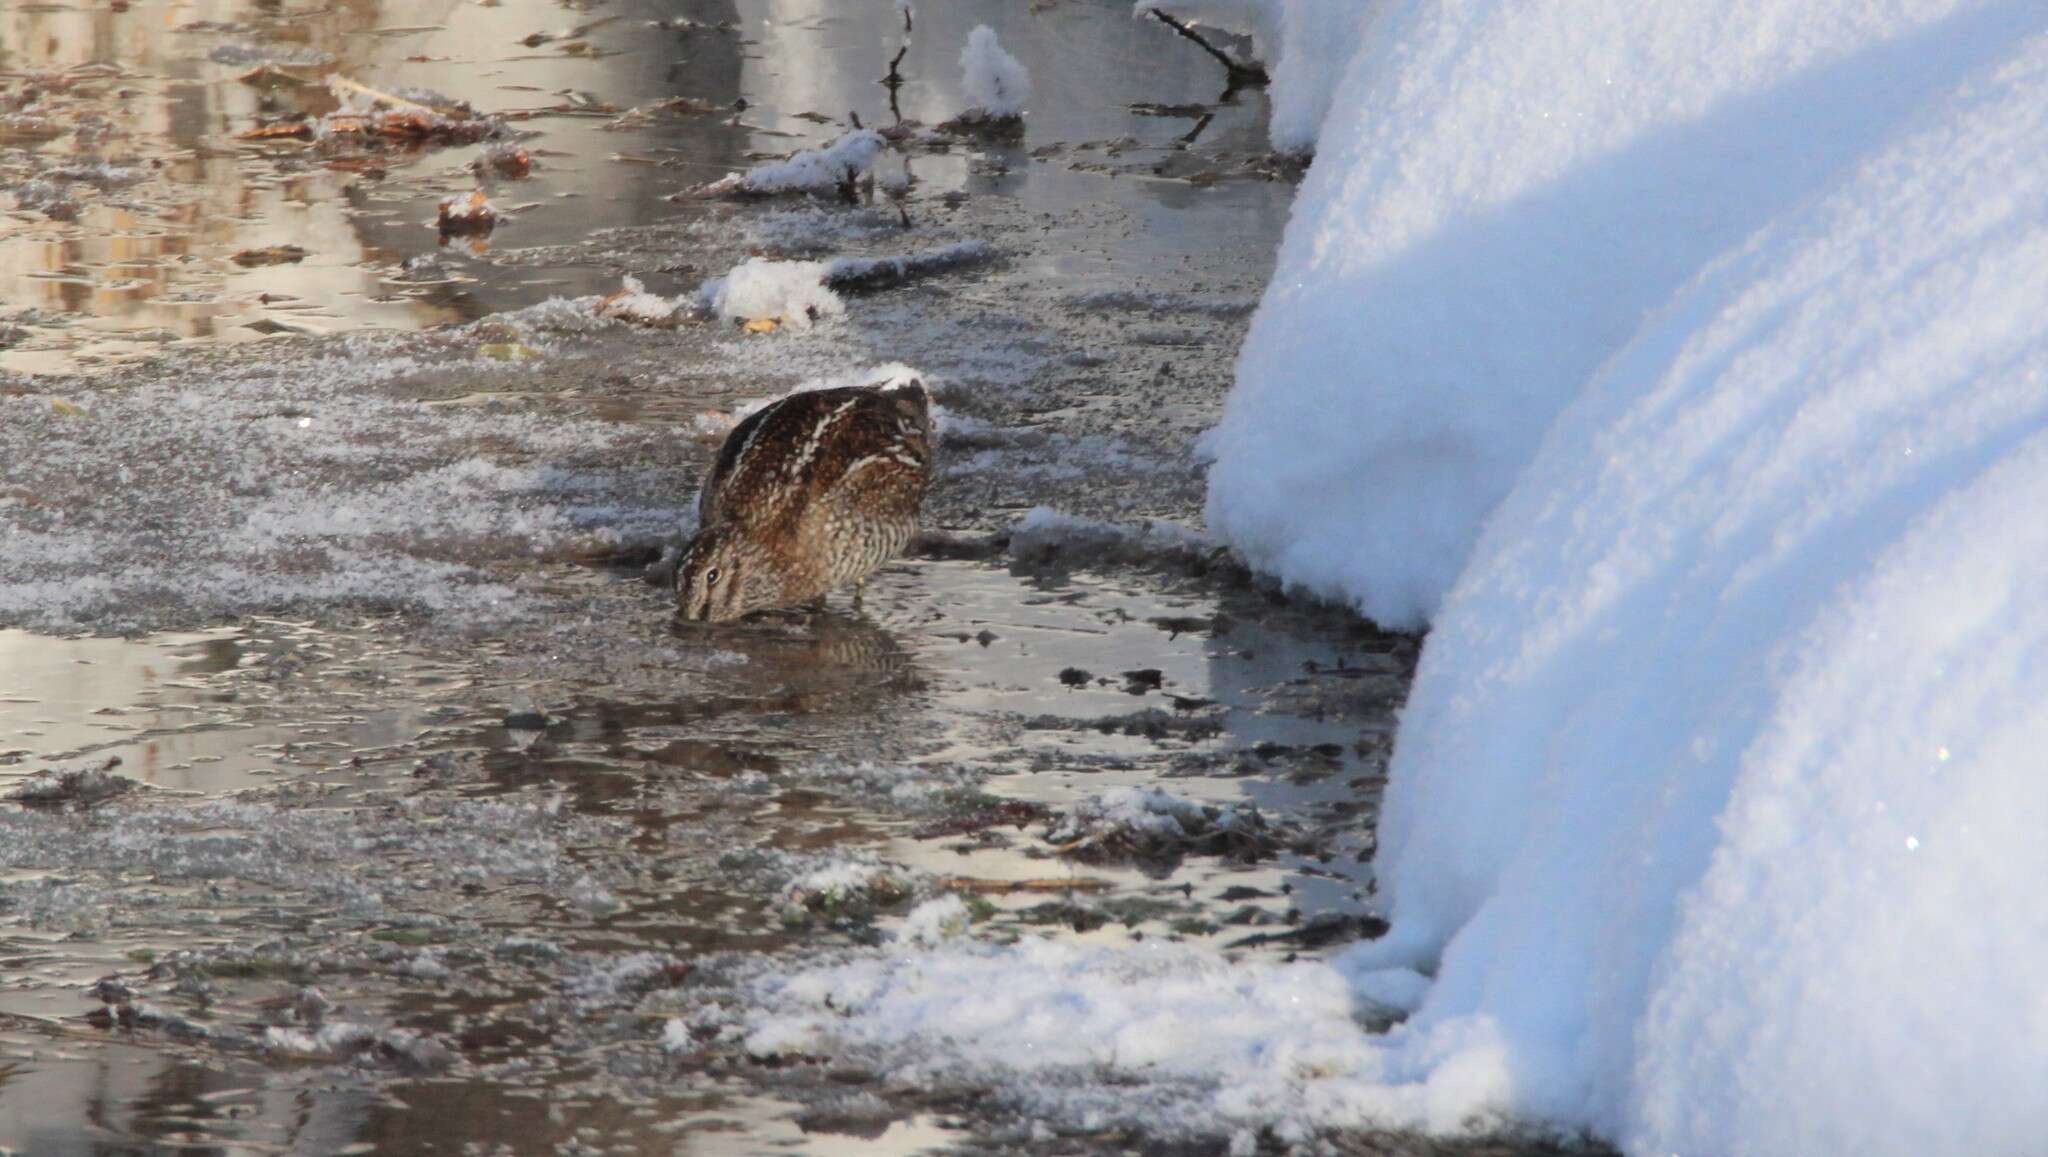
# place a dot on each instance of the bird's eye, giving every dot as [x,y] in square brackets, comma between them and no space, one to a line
[711,577]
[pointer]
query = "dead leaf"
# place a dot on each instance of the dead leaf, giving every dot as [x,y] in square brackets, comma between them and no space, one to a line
[268,75]
[508,161]
[462,216]
[763,325]
[284,131]
[509,351]
[65,409]
[270,255]
[344,87]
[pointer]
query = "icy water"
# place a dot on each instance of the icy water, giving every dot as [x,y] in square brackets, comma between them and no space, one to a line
[443,817]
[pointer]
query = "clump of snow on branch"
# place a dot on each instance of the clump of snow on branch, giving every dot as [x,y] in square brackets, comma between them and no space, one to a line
[833,168]
[793,292]
[800,292]
[995,83]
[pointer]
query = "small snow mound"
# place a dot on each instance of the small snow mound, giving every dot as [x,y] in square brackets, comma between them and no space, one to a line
[634,304]
[792,292]
[936,921]
[1146,824]
[831,169]
[995,83]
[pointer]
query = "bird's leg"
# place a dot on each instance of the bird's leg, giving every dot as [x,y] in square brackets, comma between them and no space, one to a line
[860,586]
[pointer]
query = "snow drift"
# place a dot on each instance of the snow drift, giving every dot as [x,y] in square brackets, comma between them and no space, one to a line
[1500,195]
[1709,794]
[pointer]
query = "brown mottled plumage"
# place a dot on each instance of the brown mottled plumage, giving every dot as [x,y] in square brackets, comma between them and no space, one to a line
[817,490]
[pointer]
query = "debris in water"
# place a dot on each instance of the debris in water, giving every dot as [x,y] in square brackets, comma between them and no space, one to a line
[1144,825]
[467,216]
[80,787]
[270,255]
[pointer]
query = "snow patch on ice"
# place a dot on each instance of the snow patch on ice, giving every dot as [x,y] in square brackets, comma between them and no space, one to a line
[1175,1040]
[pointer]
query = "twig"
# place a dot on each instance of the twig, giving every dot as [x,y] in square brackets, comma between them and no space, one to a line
[894,81]
[1241,74]
[1002,887]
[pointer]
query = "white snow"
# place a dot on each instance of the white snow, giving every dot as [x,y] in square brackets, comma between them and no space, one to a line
[820,170]
[1499,198]
[992,79]
[800,292]
[1140,809]
[1175,1040]
[633,303]
[936,921]
[1711,789]
[759,288]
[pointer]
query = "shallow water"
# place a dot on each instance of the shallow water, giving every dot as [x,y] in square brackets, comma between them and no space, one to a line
[502,840]
[147,260]
[952,654]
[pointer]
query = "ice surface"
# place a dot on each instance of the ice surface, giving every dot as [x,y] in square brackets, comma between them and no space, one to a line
[996,83]
[1043,532]
[1499,198]
[277,485]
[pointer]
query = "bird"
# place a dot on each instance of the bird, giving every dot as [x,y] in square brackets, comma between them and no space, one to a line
[814,491]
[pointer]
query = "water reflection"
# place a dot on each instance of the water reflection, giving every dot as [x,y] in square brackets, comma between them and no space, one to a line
[146,104]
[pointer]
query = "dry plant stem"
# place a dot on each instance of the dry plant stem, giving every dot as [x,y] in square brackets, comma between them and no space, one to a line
[1241,74]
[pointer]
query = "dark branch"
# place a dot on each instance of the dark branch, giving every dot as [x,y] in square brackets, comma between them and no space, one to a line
[1242,75]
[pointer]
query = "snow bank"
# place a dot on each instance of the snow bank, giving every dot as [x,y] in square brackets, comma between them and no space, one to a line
[1712,793]
[1307,46]
[1499,198]
[993,79]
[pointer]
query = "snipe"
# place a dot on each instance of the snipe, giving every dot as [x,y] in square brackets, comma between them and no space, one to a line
[815,491]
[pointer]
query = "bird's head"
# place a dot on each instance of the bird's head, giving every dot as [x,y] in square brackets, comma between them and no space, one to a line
[724,574]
